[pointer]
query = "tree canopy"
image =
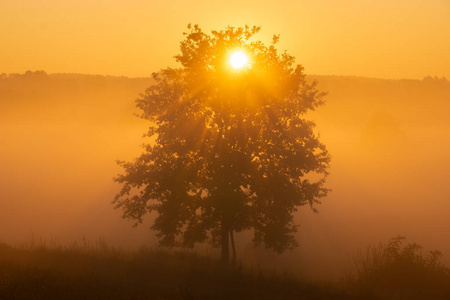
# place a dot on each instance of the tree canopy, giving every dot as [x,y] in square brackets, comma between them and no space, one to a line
[233,149]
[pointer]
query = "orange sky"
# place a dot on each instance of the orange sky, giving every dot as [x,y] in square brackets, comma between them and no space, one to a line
[383,38]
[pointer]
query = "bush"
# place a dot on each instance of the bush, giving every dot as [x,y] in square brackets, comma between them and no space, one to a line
[398,271]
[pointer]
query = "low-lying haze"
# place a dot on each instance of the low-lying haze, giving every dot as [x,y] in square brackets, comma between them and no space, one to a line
[62,133]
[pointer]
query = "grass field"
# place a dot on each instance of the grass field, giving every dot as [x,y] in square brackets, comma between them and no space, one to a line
[393,270]
[103,273]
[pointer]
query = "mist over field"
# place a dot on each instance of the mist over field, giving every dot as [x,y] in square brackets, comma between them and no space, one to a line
[62,133]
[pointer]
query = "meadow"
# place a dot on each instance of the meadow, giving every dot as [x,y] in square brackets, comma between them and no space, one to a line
[391,270]
[39,271]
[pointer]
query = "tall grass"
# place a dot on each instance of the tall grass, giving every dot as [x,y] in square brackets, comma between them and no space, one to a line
[396,270]
[97,271]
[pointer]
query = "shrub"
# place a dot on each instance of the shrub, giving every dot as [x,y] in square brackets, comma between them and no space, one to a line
[396,270]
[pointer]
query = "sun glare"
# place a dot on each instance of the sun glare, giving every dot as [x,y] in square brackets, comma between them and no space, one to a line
[238,59]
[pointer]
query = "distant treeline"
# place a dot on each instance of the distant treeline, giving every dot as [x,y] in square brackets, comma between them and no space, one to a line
[41,75]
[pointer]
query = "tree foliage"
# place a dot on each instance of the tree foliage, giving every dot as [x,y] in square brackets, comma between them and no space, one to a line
[233,149]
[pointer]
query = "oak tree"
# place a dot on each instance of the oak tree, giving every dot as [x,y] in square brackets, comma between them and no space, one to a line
[233,149]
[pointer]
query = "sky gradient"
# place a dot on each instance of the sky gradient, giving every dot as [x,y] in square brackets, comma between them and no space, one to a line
[381,39]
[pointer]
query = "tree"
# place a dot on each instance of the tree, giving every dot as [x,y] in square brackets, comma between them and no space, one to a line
[233,150]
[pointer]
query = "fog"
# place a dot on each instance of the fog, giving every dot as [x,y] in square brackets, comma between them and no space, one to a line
[60,135]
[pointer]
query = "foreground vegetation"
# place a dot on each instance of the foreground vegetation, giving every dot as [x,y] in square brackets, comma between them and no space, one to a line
[103,273]
[393,270]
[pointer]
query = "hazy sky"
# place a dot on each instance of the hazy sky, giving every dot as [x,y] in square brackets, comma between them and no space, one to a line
[382,38]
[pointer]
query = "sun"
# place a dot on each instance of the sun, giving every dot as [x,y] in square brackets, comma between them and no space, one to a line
[238,59]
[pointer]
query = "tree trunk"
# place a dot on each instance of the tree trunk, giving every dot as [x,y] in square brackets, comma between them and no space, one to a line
[233,260]
[225,243]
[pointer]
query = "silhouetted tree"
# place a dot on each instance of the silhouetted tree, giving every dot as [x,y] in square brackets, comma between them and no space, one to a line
[233,149]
